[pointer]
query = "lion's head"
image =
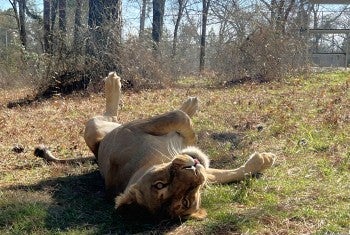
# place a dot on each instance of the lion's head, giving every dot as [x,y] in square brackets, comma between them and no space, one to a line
[170,189]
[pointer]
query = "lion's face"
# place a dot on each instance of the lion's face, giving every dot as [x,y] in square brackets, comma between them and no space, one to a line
[170,189]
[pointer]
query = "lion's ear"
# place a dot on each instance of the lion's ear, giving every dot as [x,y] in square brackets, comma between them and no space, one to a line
[130,195]
[200,214]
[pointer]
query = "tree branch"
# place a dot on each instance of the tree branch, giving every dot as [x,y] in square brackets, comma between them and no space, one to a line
[267,5]
[32,15]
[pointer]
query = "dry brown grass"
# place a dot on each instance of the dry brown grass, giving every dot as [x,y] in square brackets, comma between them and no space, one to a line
[304,121]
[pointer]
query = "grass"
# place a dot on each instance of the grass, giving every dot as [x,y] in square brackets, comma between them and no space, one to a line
[305,121]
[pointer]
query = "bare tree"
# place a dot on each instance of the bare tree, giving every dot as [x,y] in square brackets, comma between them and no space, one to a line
[104,33]
[53,13]
[47,28]
[143,18]
[302,17]
[157,24]
[181,7]
[205,10]
[20,19]
[62,19]
[77,39]
[234,23]
[62,24]
[280,10]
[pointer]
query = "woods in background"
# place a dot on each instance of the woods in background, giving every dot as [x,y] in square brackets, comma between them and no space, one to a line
[62,41]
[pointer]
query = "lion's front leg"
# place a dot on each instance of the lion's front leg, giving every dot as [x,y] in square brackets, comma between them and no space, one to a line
[112,93]
[257,162]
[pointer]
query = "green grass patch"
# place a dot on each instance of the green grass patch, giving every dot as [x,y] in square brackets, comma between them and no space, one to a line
[305,121]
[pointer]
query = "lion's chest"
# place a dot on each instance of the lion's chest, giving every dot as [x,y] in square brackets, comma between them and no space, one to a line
[132,152]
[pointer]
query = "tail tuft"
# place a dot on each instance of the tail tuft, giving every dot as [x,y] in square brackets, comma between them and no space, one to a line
[40,151]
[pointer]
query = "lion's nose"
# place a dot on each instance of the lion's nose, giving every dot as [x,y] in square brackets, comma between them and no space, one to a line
[196,161]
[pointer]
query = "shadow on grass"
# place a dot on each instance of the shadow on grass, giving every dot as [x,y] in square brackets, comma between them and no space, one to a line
[77,204]
[232,138]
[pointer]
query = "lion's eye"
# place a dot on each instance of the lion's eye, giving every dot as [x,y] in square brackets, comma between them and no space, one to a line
[159,185]
[186,203]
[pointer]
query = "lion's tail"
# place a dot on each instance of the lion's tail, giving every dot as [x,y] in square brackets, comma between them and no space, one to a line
[43,152]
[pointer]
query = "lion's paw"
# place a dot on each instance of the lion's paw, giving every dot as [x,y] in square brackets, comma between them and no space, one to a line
[112,83]
[258,162]
[112,90]
[190,106]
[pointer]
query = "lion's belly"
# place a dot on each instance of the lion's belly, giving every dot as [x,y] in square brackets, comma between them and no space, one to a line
[129,152]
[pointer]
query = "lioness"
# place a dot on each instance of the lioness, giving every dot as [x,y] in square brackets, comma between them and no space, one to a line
[153,162]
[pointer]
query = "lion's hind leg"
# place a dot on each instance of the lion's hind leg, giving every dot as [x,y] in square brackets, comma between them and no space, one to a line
[256,163]
[190,106]
[175,121]
[95,130]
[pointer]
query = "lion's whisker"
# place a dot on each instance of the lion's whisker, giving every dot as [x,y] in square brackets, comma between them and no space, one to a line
[173,148]
[155,149]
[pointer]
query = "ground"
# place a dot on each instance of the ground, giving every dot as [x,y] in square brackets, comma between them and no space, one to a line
[305,121]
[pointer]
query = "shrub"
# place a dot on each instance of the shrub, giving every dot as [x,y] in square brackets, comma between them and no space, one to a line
[264,55]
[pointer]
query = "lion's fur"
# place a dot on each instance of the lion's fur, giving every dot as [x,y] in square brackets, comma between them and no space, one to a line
[153,162]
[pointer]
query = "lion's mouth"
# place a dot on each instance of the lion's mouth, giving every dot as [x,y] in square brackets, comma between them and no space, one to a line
[193,166]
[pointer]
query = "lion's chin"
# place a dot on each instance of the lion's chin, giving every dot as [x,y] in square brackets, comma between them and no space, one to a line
[189,169]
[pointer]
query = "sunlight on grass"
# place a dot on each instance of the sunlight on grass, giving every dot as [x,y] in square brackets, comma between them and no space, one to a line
[305,121]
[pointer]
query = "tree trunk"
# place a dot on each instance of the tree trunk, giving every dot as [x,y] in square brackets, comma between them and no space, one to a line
[62,22]
[14,7]
[53,13]
[287,11]
[303,15]
[182,5]
[95,23]
[157,24]
[77,39]
[318,37]
[105,34]
[142,18]
[103,16]
[47,29]
[52,37]
[22,21]
[205,10]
